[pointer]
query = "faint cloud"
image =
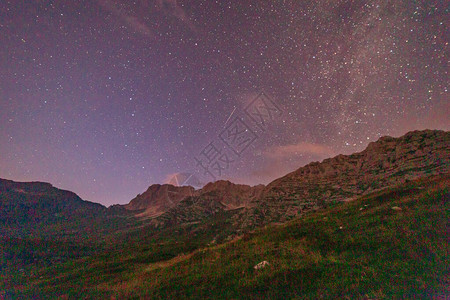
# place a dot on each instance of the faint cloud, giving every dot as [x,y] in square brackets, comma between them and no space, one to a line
[172,7]
[167,7]
[130,20]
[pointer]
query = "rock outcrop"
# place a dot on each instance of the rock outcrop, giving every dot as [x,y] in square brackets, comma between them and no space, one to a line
[387,162]
[185,204]
[159,199]
[216,197]
[384,163]
[231,195]
[228,209]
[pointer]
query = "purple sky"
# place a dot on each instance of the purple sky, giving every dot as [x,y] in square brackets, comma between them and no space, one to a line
[107,97]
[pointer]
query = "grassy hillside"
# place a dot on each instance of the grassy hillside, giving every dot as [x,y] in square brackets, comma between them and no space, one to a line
[392,243]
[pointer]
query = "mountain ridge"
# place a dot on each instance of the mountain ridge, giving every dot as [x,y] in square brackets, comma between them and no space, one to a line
[230,189]
[383,163]
[44,227]
[386,162]
[219,183]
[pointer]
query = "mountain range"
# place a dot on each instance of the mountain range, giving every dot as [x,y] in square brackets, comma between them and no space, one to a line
[384,163]
[387,162]
[39,221]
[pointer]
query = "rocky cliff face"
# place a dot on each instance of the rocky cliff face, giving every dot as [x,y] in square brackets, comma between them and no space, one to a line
[214,198]
[231,195]
[387,162]
[159,199]
[29,209]
[184,204]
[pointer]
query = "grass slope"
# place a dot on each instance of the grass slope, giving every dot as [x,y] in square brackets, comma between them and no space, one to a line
[359,249]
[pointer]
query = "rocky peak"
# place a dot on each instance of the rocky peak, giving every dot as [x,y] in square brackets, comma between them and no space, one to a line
[386,162]
[159,198]
[231,195]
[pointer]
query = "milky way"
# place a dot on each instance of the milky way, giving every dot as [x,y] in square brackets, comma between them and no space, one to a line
[107,97]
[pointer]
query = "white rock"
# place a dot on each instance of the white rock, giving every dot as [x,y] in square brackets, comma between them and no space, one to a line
[261,265]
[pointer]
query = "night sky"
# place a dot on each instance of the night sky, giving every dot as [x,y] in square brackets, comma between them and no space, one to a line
[106,97]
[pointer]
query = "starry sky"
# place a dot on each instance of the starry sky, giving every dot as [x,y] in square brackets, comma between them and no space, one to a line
[106,97]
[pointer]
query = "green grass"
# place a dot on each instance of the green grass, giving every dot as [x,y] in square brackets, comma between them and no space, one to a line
[358,249]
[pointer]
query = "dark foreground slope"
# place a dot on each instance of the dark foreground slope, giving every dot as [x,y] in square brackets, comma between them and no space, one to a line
[30,203]
[41,225]
[39,210]
[390,243]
